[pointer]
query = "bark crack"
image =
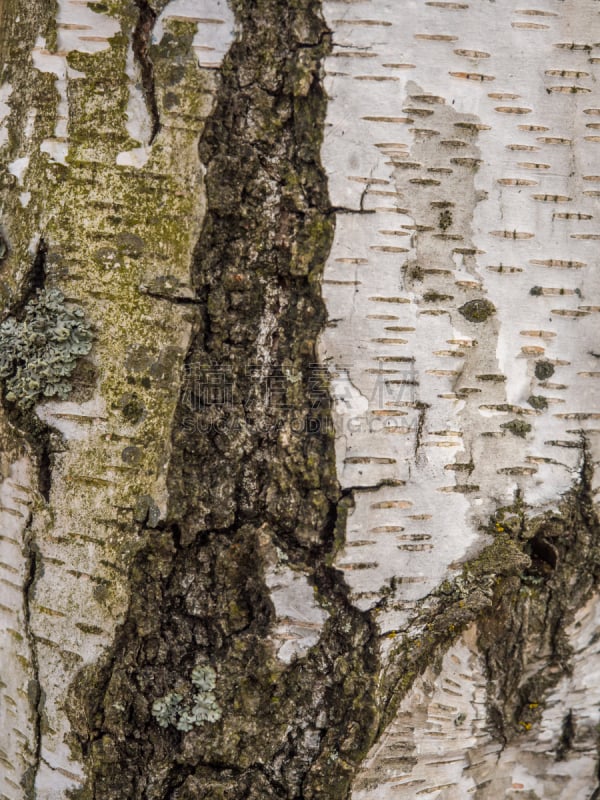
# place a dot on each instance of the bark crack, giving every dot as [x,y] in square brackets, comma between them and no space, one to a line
[33,561]
[35,278]
[142,37]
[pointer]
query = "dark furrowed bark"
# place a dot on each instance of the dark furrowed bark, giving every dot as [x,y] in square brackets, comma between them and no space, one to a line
[252,474]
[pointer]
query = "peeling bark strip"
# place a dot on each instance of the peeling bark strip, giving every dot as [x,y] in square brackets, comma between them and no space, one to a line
[253,499]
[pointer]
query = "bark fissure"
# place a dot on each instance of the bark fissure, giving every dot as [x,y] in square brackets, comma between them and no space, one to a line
[36,278]
[567,736]
[33,281]
[45,466]
[33,567]
[142,37]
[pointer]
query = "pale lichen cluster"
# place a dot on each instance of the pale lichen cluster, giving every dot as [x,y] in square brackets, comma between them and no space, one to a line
[39,352]
[174,709]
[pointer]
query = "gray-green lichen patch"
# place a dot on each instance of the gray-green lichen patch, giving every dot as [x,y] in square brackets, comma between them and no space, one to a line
[39,352]
[477,310]
[186,712]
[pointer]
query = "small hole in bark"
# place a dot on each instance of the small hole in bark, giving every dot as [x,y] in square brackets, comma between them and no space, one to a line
[544,556]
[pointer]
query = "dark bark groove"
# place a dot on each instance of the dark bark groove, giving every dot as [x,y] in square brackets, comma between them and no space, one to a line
[252,475]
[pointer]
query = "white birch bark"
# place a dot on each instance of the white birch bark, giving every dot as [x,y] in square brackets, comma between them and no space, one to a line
[462,154]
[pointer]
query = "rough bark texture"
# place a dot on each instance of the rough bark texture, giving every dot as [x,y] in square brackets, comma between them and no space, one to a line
[272,545]
[258,487]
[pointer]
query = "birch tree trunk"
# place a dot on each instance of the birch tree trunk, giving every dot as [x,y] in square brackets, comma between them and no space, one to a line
[299,424]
